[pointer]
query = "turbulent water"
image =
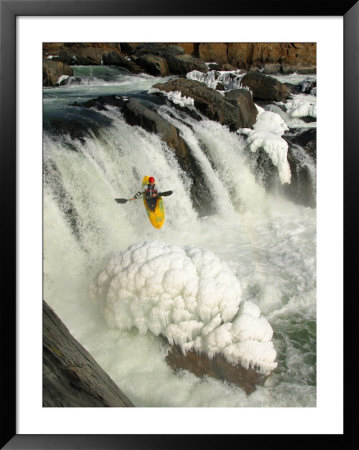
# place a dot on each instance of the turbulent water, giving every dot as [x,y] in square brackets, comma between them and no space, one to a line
[267,242]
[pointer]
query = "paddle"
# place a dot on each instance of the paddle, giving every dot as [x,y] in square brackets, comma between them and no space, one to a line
[160,194]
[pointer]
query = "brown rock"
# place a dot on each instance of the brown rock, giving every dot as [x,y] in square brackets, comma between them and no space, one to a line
[210,52]
[217,367]
[240,54]
[189,47]
[52,71]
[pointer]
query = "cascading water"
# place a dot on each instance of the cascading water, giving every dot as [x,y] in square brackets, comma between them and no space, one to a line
[266,241]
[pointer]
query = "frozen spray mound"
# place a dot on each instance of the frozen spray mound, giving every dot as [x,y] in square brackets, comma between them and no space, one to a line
[189,296]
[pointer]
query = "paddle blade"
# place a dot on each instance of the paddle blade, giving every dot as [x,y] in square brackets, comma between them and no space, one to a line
[121,200]
[165,194]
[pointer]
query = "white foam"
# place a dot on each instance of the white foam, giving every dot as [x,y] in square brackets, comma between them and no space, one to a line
[188,295]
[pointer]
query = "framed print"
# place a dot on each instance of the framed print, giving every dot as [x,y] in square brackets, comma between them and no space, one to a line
[178,238]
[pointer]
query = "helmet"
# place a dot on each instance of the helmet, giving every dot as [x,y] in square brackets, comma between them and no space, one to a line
[151,180]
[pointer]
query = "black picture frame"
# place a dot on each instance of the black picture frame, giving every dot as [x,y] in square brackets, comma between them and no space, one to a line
[9,10]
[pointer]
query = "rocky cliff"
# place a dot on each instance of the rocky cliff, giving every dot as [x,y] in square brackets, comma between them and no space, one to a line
[177,59]
[71,376]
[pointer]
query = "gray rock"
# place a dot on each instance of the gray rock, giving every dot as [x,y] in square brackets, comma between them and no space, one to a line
[265,87]
[71,376]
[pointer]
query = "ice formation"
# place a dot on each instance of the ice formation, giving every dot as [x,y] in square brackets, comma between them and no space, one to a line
[302,106]
[229,79]
[176,97]
[267,134]
[189,296]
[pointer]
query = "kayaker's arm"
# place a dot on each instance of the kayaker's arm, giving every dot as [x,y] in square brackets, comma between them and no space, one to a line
[136,196]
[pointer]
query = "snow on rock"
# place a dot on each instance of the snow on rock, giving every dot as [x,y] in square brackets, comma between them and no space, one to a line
[189,296]
[175,96]
[267,134]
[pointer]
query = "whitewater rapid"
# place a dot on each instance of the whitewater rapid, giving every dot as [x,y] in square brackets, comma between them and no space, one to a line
[266,243]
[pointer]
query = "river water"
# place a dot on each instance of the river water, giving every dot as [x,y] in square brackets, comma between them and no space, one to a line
[268,242]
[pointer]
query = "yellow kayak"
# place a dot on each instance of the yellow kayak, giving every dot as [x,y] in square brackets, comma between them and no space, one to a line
[156,216]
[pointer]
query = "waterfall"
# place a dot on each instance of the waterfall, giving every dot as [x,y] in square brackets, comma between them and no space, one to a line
[268,242]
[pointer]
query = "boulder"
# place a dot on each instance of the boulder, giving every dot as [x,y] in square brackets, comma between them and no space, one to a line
[247,109]
[265,88]
[217,367]
[211,103]
[71,376]
[182,64]
[83,56]
[53,70]
[115,59]
[154,65]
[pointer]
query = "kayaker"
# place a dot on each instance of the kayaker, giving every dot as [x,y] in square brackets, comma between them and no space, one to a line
[150,192]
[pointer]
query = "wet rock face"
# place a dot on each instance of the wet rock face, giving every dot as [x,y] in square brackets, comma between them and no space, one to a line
[235,111]
[265,87]
[217,367]
[71,377]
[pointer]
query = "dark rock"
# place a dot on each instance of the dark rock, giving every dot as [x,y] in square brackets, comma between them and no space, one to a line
[306,138]
[154,65]
[247,109]
[71,376]
[81,56]
[129,47]
[216,367]
[76,129]
[211,103]
[114,59]
[182,64]
[265,87]
[302,161]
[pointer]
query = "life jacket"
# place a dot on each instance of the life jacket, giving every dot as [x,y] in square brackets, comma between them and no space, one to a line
[150,190]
